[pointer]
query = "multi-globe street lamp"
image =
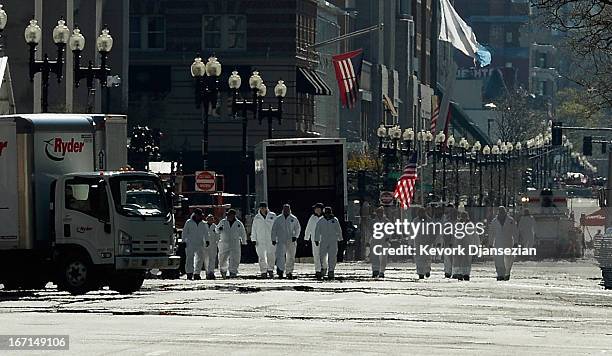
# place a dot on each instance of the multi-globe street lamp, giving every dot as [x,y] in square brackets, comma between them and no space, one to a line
[206,78]
[33,35]
[244,106]
[104,44]
[270,112]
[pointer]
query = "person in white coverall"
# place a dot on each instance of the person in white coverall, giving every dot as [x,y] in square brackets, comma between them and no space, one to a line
[232,236]
[526,229]
[285,232]
[193,236]
[448,241]
[309,236]
[462,263]
[327,235]
[379,262]
[425,240]
[212,244]
[261,234]
[503,234]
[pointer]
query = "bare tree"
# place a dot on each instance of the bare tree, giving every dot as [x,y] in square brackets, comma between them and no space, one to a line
[588,42]
[516,118]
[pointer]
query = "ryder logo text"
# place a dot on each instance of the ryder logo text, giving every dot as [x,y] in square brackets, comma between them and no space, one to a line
[3,145]
[56,148]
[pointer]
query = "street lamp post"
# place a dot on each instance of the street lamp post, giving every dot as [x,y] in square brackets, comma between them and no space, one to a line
[280,90]
[104,44]
[245,106]
[33,35]
[450,143]
[496,152]
[486,151]
[206,78]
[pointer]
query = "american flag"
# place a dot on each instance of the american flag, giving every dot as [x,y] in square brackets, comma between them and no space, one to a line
[348,71]
[405,187]
[435,114]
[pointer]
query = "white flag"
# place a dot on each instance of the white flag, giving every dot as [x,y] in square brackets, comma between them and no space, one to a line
[454,30]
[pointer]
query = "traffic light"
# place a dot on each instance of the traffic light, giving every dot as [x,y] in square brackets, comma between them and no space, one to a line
[557,134]
[587,145]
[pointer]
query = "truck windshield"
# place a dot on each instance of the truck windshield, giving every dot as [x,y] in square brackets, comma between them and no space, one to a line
[138,196]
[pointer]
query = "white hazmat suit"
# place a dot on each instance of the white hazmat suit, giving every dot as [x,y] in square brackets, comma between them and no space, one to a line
[503,236]
[232,235]
[328,233]
[284,230]
[309,236]
[210,251]
[261,234]
[379,262]
[193,236]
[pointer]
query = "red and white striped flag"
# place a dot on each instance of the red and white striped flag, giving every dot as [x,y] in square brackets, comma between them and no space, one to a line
[348,72]
[405,187]
[435,114]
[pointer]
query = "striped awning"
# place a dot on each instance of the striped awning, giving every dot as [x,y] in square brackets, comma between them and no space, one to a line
[310,82]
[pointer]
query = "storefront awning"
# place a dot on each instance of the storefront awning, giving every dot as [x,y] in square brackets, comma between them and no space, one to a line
[310,82]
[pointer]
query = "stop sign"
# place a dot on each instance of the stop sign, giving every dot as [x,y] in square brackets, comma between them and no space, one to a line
[205,181]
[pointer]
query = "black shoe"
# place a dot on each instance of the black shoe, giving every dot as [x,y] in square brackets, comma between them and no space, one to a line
[280,274]
[374,274]
[197,277]
[233,275]
[500,278]
[271,274]
[427,274]
[264,275]
[189,276]
[290,276]
[381,275]
[330,275]
[318,276]
[447,275]
[507,278]
[466,277]
[323,272]
[210,276]
[455,276]
[421,276]
[460,277]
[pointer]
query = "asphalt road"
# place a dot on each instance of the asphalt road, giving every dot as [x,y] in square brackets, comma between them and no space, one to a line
[547,308]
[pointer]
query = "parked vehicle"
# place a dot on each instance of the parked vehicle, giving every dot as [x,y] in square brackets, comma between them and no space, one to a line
[69,212]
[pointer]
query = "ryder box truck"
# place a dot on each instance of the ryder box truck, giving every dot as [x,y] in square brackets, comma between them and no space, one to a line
[69,214]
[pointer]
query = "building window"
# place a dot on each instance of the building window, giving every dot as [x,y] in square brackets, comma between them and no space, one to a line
[305,31]
[542,88]
[224,32]
[541,63]
[147,32]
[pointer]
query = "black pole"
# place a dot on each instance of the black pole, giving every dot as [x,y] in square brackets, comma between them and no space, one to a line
[490,182]
[457,181]
[204,109]
[245,179]
[269,126]
[505,181]
[480,166]
[435,159]
[44,98]
[443,175]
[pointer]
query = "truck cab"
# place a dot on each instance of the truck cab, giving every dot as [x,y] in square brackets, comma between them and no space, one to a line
[109,228]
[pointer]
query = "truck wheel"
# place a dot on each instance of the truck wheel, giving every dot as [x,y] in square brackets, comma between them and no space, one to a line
[127,282]
[75,275]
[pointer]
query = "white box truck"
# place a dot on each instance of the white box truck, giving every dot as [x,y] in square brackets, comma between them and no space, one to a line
[302,172]
[69,214]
